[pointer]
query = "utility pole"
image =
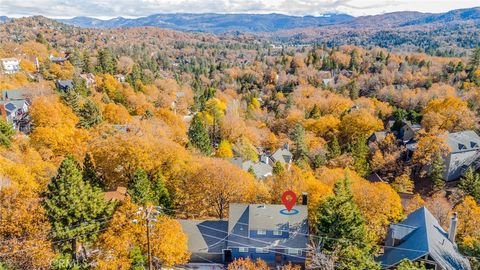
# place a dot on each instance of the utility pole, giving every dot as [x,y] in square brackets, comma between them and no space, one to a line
[149,214]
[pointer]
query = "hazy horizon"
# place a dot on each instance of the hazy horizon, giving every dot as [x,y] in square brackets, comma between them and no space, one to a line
[105,9]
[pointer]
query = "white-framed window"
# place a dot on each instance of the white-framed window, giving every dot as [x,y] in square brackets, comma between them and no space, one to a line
[243,249]
[261,232]
[261,250]
[294,251]
[277,232]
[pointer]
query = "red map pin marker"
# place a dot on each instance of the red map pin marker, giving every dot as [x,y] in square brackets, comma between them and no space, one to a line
[289,199]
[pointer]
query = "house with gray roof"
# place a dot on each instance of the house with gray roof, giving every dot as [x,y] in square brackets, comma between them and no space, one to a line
[207,239]
[14,105]
[264,167]
[409,131]
[265,231]
[464,153]
[282,155]
[421,238]
[260,169]
[64,85]
[268,232]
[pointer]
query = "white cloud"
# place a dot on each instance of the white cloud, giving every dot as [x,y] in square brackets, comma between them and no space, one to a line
[136,8]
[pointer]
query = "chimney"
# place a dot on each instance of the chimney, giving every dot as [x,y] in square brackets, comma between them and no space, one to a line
[304,198]
[453,228]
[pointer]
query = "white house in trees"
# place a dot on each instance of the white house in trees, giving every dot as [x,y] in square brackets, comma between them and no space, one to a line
[10,65]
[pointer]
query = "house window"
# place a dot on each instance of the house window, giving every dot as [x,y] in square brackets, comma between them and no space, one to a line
[243,249]
[294,251]
[277,232]
[261,232]
[261,250]
[461,146]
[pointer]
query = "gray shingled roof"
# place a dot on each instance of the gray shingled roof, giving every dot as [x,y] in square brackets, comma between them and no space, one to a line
[462,141]
[282,155]
[204,236]
[260,169]
[422,235]
[15,94]
[247,217]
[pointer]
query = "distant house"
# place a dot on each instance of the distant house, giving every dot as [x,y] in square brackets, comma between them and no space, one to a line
[328,82]
[264,167]
[408,131]
[421,238]
[10,65]
[120,78]
[282,155]
[57,60]
[64,85]
[261,169]
[264,231]
[377,137]
[89,79]
[464,153]
[14,105]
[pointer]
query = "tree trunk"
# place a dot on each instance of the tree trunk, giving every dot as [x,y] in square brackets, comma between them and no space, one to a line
[74,250]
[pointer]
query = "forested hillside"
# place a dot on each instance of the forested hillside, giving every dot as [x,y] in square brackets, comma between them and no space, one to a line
[161,114]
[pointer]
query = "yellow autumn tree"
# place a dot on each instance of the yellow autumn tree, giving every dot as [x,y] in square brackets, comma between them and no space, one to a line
[116,114]
[169,243]
[213,185]
[224,150]
[359,124]
[413,204]
[55,133]
[248,264]
[430,146]
[24,225]
[451,114]
[468,222]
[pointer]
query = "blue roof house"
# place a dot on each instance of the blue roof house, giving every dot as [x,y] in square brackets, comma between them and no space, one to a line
[268,232]
[421,238]
[264,231]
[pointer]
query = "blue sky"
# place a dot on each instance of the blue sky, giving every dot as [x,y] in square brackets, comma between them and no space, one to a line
[136,8]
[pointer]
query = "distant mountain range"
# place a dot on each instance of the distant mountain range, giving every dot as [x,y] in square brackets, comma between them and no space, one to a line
[221,23]
[446,33]
[214,23]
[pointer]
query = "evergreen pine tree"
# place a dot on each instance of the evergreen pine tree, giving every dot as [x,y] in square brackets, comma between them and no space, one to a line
[360,152]
[72,100]
[298,137]
[339,216]
[470,184]
[315,112]
[80,86]
[198,135]
[76,210]
[437,172]
[6,133]
[106,62]
[161,195]
[90,115]
[90,174]
[334,149]
[141,188]
[353,65]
